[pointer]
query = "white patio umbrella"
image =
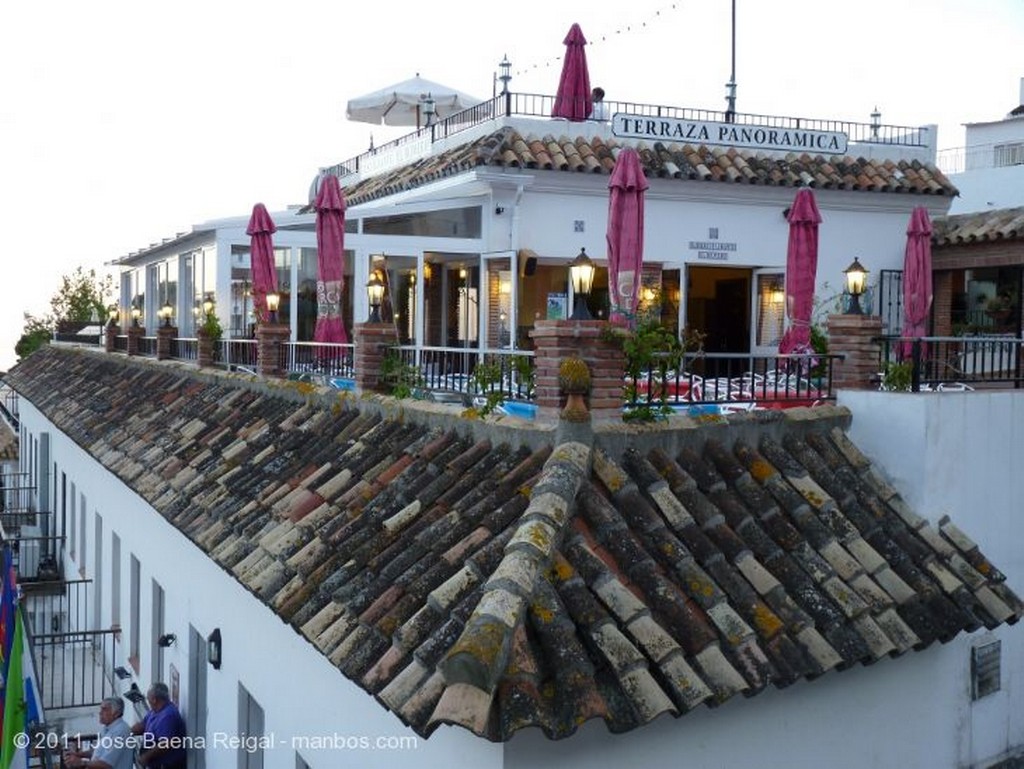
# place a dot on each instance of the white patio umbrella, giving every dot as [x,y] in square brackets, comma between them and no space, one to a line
[402,104]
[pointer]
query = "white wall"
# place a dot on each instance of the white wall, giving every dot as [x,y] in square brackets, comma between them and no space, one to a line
[961,454]
[893,714]
[947,453]
[872,227]
[985,189]
[302,695]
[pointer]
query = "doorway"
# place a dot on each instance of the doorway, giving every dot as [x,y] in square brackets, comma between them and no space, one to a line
[718,306]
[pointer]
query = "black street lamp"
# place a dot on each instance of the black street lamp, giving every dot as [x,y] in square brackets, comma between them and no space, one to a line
[375,293]
[581,272]
[856,279]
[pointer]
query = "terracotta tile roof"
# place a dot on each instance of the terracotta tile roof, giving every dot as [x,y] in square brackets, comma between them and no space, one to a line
[506,148]
[979,227]
[495,587]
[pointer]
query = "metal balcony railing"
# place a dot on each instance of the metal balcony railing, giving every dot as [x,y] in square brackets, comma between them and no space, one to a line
[531,105]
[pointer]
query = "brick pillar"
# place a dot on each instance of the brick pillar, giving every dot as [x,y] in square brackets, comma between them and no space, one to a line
[942,302]
[372,341]
[135,333]
[110,338]
[204,351]
[164,335]
[270,350]
[854,336]
[558,339]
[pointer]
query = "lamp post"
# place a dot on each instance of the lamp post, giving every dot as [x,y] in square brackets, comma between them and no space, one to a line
[208,307]
[136,314]
[505,67]
[113,312]
[375,293]
[273,303]
[166,312]
[856,279]
[581,272]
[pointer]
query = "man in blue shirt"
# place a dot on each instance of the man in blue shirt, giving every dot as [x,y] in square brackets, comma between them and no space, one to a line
[162,730]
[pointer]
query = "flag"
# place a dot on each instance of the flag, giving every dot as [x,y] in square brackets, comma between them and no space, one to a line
[14,746]
[8,600]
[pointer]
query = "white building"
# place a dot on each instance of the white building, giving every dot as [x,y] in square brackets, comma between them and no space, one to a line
[360,573]
[989,169]
[472,221]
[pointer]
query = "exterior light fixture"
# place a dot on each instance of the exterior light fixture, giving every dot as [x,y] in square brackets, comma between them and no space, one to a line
[856,280]
[208,306]
[214,650]
[506,73]
[167,639]
[113,313]
[375,293]
[136,314]
[581,272]
[166,312]
[273,303]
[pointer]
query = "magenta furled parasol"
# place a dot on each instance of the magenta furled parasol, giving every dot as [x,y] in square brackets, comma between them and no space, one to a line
[573,100]
[801,271]
[330,243]
[625,233]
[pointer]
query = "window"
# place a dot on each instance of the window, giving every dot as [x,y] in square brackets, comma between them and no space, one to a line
[115,579]
[985,669]
[771,309]
[1009,155]
[450,223]
[135,608]
[250,724]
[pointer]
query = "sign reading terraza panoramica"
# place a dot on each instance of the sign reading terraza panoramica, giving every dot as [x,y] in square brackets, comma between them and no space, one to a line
[761,137]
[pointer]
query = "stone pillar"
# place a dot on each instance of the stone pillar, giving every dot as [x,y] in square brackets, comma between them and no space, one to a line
[135,333]
[856,337]
[270,351]
[372,341]
[204,349]
[586,339]
[110,338]
[164,335]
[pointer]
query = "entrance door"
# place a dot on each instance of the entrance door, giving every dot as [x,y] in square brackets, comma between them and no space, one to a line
[718,306]
[195,716]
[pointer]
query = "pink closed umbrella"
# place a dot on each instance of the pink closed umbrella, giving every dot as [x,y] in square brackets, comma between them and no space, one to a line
[330,244]
[917,278]
[625,234]
[801,271]
[261,249]
[573,100]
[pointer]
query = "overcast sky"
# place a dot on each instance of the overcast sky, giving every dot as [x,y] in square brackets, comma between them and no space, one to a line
[122,122]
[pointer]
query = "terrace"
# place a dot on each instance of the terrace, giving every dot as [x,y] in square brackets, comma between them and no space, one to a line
[694,381]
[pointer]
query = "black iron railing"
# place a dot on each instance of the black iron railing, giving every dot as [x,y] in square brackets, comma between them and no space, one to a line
[73,660]
[541,106]
[464,373]
[320,359]
[734,380]
[942,362]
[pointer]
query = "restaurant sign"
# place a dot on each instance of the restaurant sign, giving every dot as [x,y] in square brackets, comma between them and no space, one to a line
[778,138]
